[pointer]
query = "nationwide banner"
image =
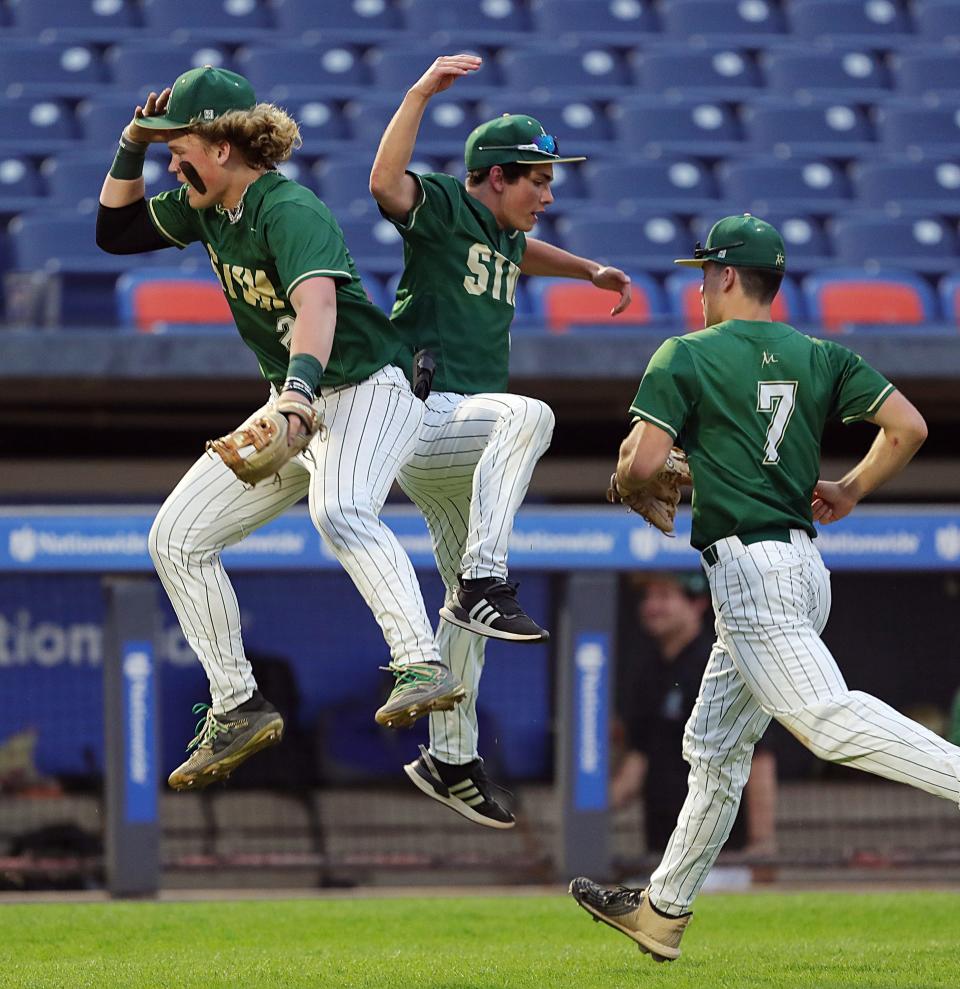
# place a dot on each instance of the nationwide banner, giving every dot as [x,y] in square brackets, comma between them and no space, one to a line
[114,540]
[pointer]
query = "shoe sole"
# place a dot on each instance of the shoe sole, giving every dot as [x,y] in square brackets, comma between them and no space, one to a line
[457,806]
[645,944]
[404,717]
[269,734]
[490,633]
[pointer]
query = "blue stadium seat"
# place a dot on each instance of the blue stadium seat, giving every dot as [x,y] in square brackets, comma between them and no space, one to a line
[138,67]
[443,130]
[642,242]
[20,186]
[223,21]
[375,246]
[76,20]
[654,127]
[923,186]
[716,74]
[586,71]
[922,244]
[358,20]
[807,244]
[300,71]
[580,126]
[343,184]
[679,186]
[102,119]
[927,244]
[37,70]
[950,298]
[938,21]
[840,130]
[491,22]
[839,299]
[920,130]
[594,21]
[74,180]
[737,22]
[758,185]
[36,127]
[874,23]
[55,242]
[928,73]
[850,75]
[323,126]
[394,70]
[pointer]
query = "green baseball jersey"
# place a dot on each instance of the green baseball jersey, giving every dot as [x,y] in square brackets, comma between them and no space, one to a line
[748,401]
[458,289]
[284,236]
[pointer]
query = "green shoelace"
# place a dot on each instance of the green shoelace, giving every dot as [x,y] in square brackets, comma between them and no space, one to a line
[410,676]
[207,728]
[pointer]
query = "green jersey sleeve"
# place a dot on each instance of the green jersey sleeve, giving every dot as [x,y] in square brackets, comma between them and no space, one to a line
[669,389]
[435,211]
[174,217]
[306,242]
[860,390]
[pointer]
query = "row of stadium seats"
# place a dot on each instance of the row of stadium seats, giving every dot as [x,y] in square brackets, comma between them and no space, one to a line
[293,69]
[641,125]
[153,300]
[682,186]
[880,22]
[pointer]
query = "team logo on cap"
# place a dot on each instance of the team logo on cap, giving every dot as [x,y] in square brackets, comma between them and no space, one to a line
[208,114]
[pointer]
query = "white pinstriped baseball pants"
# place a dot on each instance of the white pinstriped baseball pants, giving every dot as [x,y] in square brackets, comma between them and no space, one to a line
[371,429]
[468,475]
[771,601]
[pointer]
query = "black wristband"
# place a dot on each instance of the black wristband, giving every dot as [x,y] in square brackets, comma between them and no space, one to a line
[300,386]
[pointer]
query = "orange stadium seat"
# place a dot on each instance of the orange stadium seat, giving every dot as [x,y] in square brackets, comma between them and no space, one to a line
[564,304]
[151,300]
[840,299]
[683,291]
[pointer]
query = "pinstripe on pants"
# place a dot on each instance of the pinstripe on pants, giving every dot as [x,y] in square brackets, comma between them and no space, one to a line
[468,475]
[371,428]
[772,601]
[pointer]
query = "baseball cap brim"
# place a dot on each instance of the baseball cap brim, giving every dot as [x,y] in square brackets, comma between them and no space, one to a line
[691,262]
[161,123]
[546,160]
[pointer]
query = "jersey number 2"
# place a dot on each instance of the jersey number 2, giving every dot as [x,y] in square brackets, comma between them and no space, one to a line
[778,398]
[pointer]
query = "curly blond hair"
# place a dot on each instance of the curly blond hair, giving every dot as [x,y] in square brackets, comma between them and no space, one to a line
[265,135]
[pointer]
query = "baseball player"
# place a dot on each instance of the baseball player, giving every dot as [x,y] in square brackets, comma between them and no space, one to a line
[748,399]
[298,303]
[465,247]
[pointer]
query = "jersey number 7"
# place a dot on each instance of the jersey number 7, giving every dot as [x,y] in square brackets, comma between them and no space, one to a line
[778,398]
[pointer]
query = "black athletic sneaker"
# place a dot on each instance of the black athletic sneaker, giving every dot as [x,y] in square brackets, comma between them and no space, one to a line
[631,912]
[489,607]
[465,789]
[224,741]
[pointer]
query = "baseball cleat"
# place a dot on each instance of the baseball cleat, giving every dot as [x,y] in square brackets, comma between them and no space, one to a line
[421,688]
[224,741]
[465,789]
[489,607]
[631,912]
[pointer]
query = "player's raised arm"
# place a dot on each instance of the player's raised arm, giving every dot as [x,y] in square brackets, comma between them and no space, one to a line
[390,185]
[902,433]
[541,258]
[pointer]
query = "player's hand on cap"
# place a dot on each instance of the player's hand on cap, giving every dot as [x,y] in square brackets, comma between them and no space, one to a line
[614,280]
[444,73]
[831,502]
[155,106]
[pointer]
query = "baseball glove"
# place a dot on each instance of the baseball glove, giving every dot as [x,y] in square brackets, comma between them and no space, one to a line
[259,447]
[657,500]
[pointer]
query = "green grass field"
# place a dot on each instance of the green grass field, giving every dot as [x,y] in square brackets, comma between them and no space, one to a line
[880,941]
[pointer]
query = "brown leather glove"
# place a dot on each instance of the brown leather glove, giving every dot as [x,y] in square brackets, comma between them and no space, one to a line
[658,499]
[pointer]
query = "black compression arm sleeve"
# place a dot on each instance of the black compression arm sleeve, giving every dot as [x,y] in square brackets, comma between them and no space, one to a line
[128,229]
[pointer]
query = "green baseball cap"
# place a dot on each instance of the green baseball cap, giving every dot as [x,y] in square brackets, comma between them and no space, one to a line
[744,241]
[202,95]
[514,137]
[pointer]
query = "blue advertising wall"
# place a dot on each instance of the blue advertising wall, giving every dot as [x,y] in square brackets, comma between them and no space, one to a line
[51,615]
